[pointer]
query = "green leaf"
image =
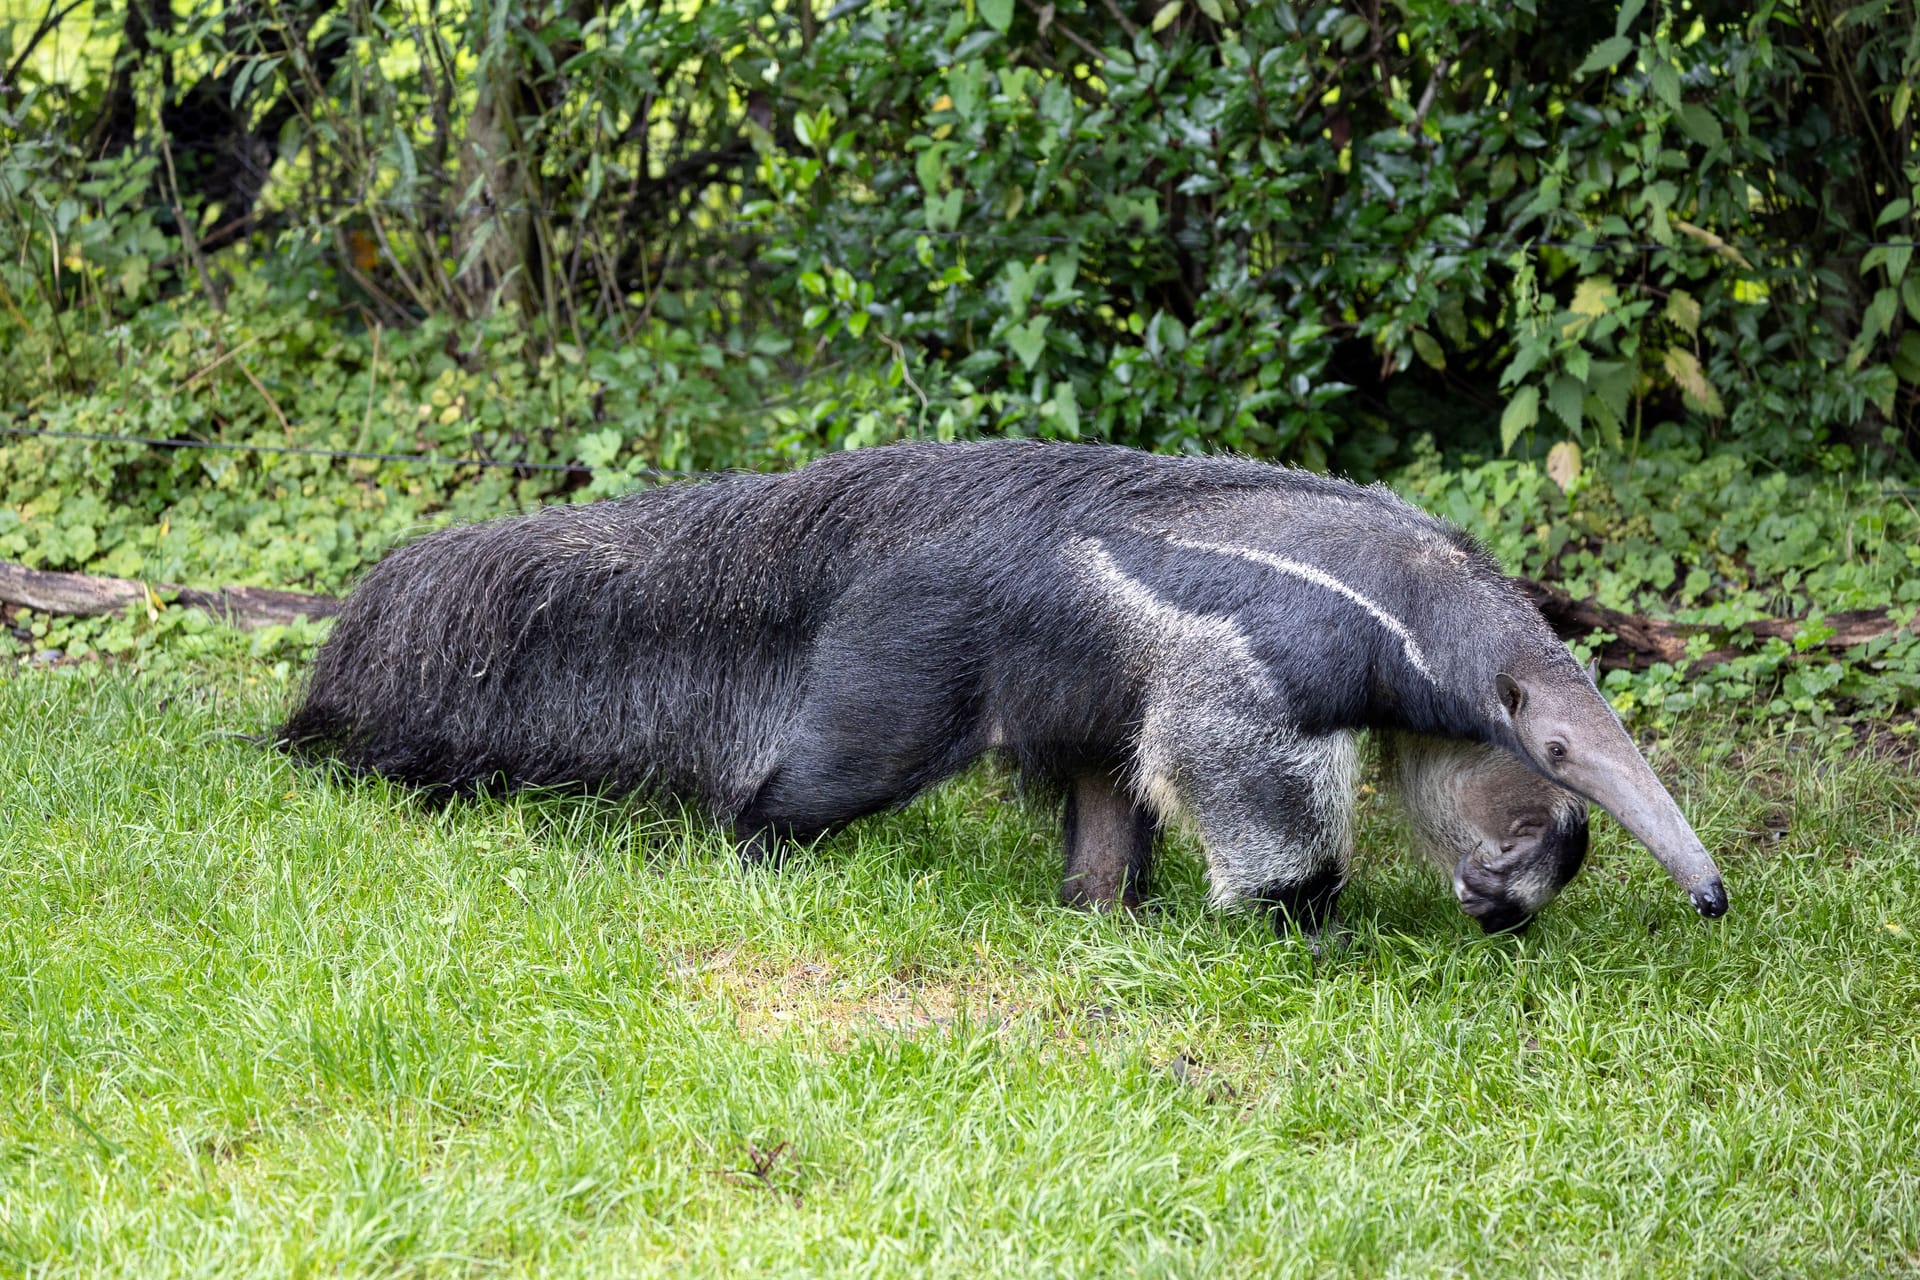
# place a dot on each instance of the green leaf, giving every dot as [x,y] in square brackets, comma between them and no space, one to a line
[1629,10]
[1609,52]
[1611,382]
[1666,83]
[943,212]
[998,13]
[1522,412]
[1879,315]
[1565,396]
[1532,351]
[598,448]
[1066,409]
[240,81]
[1164,16]
[930,167]
[1592,296]
[1684,368]
[1698,123]
[1898,258]
[1428,350]
[1893,212]
[1906,360]
[1684,311]
[1213,10]
[1910,294]
[1029,340]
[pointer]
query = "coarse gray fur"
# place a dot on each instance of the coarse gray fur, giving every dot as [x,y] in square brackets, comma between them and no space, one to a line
[1166,639]
[1506,839]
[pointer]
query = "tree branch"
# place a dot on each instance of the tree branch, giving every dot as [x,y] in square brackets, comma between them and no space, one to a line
[47,24]
[83,595]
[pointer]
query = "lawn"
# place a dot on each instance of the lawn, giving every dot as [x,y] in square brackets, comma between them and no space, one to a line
[257,1021]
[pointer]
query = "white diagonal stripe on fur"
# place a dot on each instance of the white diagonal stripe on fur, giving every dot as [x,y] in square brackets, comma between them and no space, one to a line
[1321,578]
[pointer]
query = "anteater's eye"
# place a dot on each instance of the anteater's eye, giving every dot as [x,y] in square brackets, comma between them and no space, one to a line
[1556,750]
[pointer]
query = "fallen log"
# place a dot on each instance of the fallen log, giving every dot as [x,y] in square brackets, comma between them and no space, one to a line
[84,595]
[1638,642]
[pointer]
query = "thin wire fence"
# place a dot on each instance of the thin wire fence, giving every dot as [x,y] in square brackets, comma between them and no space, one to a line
[444,460]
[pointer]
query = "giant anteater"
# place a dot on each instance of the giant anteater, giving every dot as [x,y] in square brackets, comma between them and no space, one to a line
[1168,638]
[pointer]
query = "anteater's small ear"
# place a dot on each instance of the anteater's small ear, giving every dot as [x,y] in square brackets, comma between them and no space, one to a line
[1512,696]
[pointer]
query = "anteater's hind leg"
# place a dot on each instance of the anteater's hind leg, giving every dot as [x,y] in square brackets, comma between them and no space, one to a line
[1109,843]
[851,755]
[887,713]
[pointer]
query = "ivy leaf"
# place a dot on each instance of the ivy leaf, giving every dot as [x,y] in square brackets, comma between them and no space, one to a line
[1698,123]
[1609,52]
[1522,412]
[1029,340]
[1684,311]
[998,13]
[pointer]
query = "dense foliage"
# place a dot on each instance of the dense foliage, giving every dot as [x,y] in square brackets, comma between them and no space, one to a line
[1424,242]
[1293,229]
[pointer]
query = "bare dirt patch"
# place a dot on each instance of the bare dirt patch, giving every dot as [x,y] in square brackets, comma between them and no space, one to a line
[772,997]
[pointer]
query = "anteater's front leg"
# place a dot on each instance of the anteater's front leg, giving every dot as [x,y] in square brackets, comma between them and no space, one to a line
[1276,817]
[1109,843]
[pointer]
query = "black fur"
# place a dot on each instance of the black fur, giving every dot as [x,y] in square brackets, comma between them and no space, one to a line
[797,651]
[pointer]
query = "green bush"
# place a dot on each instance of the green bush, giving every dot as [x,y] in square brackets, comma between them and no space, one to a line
[1305,230]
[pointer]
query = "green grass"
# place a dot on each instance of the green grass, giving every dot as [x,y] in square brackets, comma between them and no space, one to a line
[253,1021]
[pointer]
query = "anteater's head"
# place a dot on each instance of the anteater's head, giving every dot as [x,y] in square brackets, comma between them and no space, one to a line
[1559,724]
[1507,839]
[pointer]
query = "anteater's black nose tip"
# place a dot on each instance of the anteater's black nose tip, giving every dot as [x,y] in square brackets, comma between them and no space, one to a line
[1710,899]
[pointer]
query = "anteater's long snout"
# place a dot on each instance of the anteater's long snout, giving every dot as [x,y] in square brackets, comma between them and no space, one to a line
[1623,784]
